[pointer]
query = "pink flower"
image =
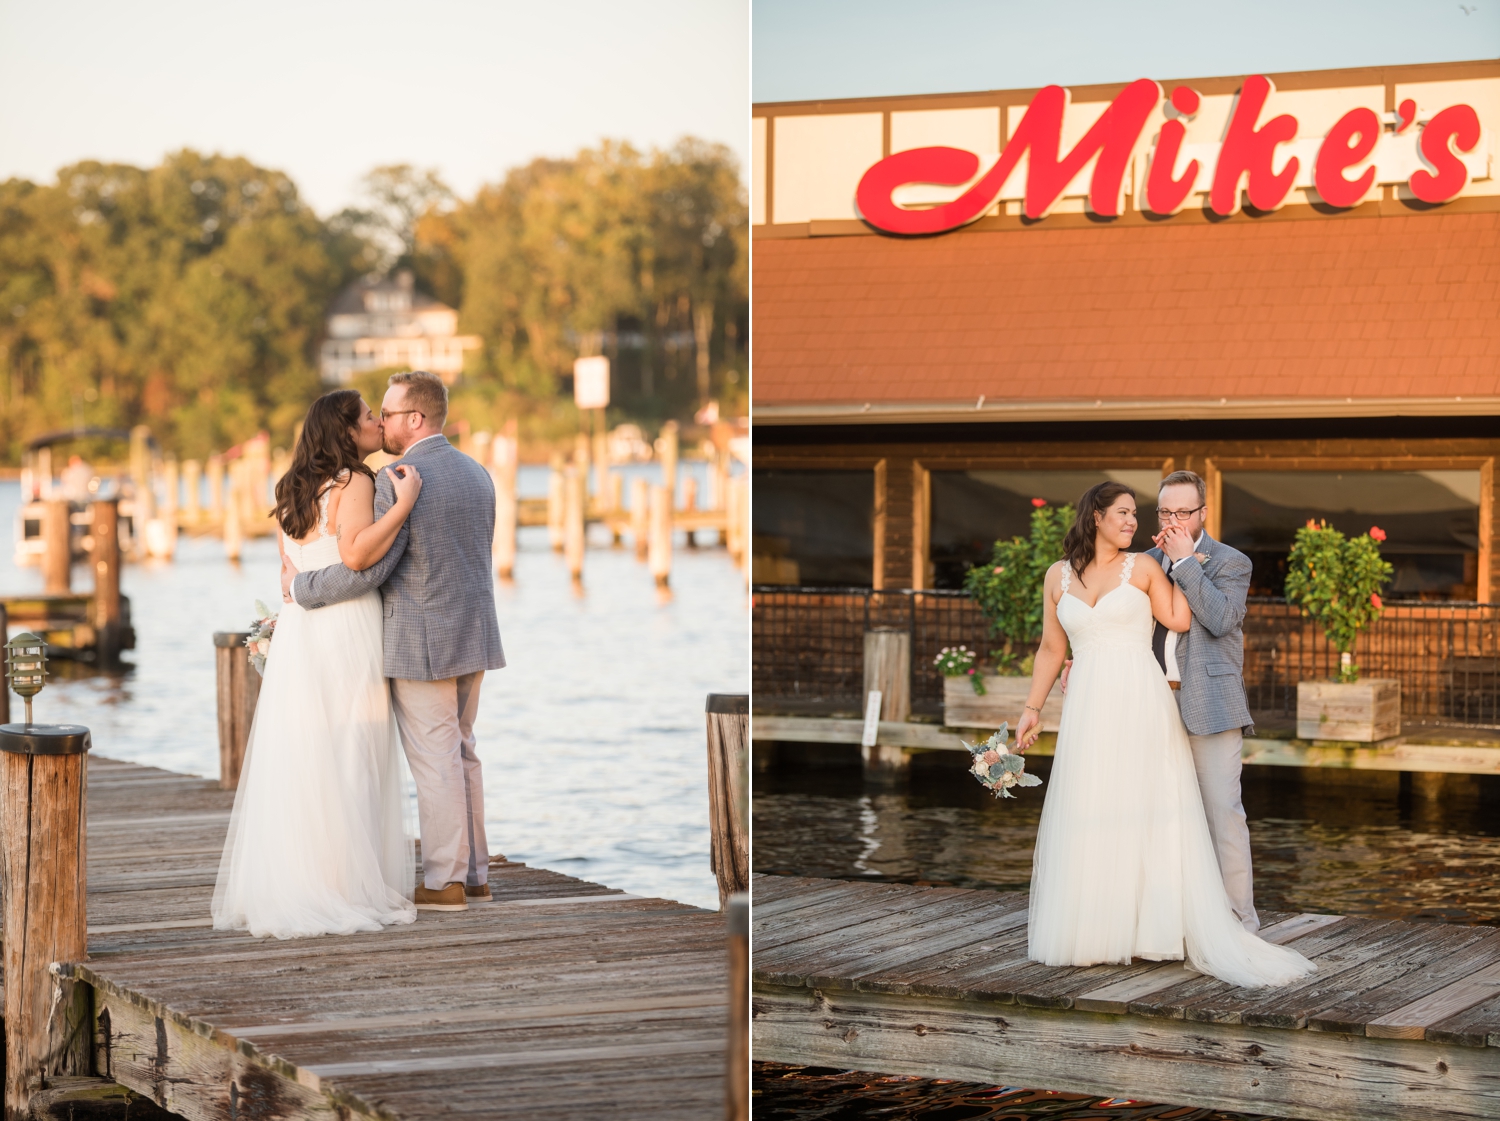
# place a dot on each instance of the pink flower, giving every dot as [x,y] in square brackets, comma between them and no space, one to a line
[1377,533]
[1375,599]
[999,570]
[1039,502]
[991,757]
[971,671]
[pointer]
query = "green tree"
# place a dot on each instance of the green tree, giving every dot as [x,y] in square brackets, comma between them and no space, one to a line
[1008,588]
[1337,581]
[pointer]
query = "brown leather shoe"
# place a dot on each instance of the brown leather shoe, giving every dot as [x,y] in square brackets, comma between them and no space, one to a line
[450,898]
[478,893]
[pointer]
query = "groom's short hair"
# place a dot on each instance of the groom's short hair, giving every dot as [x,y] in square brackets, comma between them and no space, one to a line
[1185,478]
[426,393]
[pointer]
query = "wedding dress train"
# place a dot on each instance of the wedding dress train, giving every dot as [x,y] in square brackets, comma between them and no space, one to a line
[1124,865]
[318,842]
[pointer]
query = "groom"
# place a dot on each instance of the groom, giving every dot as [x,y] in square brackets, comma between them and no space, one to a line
[440,632]
[1204,666]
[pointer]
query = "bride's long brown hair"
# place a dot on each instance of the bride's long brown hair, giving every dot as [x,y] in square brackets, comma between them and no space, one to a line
[325,448]
[1078,544]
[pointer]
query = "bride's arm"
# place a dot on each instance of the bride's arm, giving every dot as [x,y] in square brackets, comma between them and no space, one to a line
[362,538]
[1048,663]
[1168,603]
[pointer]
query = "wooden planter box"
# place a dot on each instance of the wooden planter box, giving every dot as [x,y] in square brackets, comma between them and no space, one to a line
[1366,712]
[1002,702]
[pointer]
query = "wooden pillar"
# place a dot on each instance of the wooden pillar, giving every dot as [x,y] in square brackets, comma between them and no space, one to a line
[503,455]
[57,539]
[1213,486]
[215,470]
[666,451]
[1485,574]
[728,716]
[659,536]
[921,526]
[877,526]
[192,487]
[888,668]
[555,499]
[234,533]
[640,515]
[575,496]
[108,623]
[690,504]
[737,1074]
[603,492]
[43,794]
[4,684]
[238,688]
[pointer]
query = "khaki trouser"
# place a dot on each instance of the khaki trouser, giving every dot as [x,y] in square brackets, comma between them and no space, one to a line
[436,719]
[1217,761]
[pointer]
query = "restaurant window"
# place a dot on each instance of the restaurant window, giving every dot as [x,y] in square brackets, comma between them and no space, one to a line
[1431,520]
[971,510]
[813,528]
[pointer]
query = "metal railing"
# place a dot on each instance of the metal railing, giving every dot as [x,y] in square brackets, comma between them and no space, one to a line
[808,651]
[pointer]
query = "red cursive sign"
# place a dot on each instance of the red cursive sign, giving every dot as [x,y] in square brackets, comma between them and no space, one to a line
[1244,167]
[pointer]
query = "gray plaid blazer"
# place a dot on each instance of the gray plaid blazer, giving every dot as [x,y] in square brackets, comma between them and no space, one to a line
[1211,655]
[436,584]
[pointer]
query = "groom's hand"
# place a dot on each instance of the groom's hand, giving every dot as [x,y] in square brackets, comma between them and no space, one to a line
[1176,543]
[288,574]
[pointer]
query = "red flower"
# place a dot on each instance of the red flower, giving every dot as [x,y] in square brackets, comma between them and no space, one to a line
[1375,599]
[1311,524]
[1039,502]
[1377,533]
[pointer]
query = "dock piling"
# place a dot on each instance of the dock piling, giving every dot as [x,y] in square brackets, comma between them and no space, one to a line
[238,688]
[575,496]
[555,500]
[737,1074]
[659,536]
[57,539]
[192,486]
[108,621]
[728,716]
[503,473]
[666,451]
[640,516]
[42,797]
[234,533]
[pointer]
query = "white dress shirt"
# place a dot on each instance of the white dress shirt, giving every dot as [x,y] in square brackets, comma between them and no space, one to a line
[1169,655]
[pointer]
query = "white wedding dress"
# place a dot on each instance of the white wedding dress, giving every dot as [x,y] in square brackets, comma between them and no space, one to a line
[1124,865]
[318,842]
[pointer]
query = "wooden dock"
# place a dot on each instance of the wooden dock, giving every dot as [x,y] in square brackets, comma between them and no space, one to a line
[1401,1021]
[561,999]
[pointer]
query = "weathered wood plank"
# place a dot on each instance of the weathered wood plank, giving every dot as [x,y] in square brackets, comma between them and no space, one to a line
[1411,1021]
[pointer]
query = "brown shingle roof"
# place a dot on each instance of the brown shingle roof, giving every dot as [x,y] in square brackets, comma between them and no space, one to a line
[1378,307]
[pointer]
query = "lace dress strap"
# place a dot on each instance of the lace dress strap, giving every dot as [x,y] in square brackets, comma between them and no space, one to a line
[1067,576]
[1129,564]
[323,502]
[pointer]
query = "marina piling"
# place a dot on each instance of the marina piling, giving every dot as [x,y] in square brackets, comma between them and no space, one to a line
[57,539]
[659,536]
[215,471]
[640,516]
[575,496]
[192,486]
[503,474]
[555,499]
[42,799]
[234,535]
[238,689]
[737,1069]
[108,621]
[728,718]
[666,452]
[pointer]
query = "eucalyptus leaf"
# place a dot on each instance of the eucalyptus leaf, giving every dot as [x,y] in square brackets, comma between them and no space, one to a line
[1013,762]
[1028,780]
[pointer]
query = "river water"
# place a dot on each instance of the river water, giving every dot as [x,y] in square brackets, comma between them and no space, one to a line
[592,737]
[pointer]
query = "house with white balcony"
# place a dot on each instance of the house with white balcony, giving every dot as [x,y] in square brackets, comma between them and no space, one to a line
[380,322]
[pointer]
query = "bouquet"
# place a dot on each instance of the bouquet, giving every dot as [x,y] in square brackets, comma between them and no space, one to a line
[958,661]
[997,768]
[258,641]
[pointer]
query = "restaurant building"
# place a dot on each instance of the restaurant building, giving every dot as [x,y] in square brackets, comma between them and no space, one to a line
[1289,283]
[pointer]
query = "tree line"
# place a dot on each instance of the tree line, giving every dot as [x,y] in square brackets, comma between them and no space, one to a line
[192,296]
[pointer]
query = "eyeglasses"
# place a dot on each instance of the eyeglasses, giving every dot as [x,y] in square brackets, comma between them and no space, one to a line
[386,415]
[1176,515]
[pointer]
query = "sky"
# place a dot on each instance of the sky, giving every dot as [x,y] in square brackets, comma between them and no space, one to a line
[325,90]
[811,49]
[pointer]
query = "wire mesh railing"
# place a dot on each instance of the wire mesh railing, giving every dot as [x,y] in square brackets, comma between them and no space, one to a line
[808,651]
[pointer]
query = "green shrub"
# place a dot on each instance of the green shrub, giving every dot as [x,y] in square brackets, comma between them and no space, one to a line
[1337,581]
[1008,588]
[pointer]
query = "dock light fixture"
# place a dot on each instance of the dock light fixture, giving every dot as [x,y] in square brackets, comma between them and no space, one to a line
[26,666]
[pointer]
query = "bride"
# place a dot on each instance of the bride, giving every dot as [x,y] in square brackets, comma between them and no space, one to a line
[1124,866]
[318,842]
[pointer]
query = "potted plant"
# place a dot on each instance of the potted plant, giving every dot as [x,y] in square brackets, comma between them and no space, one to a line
[1008,590]
[1337,580]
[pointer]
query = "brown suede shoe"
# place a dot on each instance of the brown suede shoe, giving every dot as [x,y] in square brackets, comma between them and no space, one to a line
[478,893]
[450,898]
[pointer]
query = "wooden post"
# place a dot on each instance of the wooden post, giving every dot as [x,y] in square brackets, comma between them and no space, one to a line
[43,792]
[555,500]
[4,685]
[728,791]
[106,561]
[734,537]
[57,538]
[689,492]
[215,470]
[603,492]
[616,483]
[575,484]
[659,536]
[640,515]
[737,1074]
[888,668]
[503,455]
[143,500]
[238,687]
[192,486]
[234,536]
[666,451]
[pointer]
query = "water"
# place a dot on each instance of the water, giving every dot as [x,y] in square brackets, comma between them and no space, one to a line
[592,738]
